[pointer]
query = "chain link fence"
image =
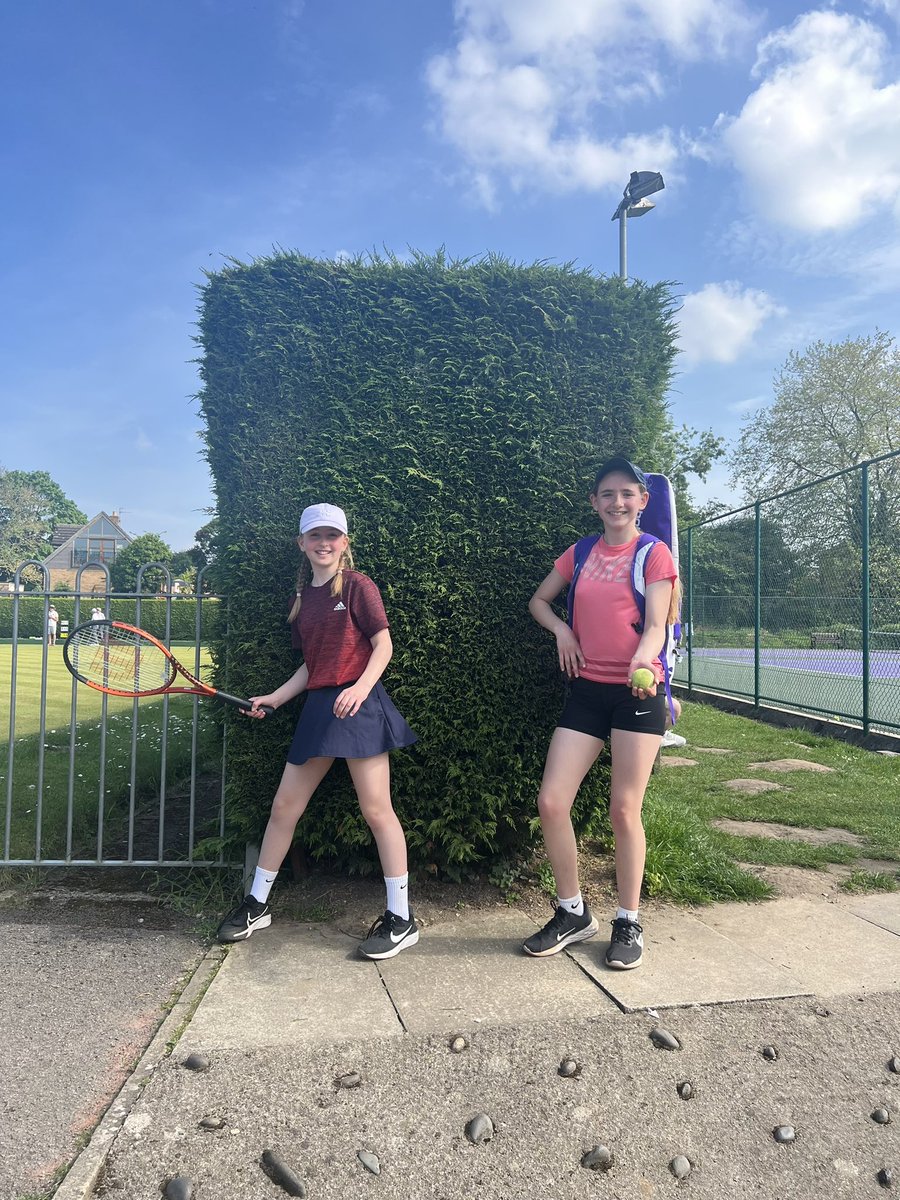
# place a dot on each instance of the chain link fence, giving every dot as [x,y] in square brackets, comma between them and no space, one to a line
[794,601]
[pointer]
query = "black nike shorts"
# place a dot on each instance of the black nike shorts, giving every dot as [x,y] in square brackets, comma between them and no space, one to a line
[596,708]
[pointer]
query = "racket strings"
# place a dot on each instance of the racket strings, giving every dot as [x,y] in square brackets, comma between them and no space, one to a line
[123,661]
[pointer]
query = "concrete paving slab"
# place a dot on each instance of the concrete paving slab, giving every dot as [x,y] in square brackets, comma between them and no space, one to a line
[831,951]
[882,909]
[472,972]
[686,962]
[291,984]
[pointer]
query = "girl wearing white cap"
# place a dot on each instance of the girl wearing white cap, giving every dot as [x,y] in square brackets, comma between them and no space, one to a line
[338,621]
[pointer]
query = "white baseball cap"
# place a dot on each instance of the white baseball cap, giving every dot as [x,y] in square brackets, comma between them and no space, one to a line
[323,514]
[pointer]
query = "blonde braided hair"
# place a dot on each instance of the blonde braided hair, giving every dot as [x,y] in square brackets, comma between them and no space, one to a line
[304,577]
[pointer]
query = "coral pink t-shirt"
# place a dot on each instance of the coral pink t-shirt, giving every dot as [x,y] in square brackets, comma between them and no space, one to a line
[605,609]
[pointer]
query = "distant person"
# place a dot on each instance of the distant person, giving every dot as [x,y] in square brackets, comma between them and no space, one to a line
[97,614]
[338,620]
[599,653]
[52,624]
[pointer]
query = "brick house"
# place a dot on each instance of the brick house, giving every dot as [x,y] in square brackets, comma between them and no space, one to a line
[74,545]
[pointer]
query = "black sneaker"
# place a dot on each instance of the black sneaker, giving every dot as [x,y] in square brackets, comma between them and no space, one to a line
[626,946]
[250,914]
[389,935]
[561,930]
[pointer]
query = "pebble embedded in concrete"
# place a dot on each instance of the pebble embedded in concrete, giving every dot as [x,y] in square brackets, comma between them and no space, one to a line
[769,1053]
[212,1123]
[196,1062]
[784,1134]
[480,1129]
[458,1044]
[351,1080]
[279,1172]
[680,1166]
[685,1089]
[600,1158]
[885,1177]
[881,1116]
[894,1065]
[664,1039]
[568,1068]
[178,1188]
[369,1161]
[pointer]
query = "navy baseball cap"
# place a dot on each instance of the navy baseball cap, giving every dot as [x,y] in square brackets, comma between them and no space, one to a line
[623,465]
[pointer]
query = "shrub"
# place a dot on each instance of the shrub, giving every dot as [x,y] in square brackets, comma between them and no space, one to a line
[458,412]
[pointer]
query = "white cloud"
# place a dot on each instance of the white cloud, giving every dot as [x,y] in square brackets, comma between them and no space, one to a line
[142,442]
[749,405]
[519,94]
[818,142]
[718,323]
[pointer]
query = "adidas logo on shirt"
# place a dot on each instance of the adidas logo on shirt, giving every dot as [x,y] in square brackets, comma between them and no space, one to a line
[340,607]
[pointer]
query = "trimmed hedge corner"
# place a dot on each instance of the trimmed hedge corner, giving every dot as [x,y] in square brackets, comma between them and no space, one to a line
[457,411]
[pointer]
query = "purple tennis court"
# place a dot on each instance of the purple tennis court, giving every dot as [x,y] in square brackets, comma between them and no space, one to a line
[883,664]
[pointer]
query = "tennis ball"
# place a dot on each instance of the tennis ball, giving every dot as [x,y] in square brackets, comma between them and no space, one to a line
[642,678]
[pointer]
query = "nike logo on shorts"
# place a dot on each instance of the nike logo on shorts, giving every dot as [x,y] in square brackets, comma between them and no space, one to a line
[645,713]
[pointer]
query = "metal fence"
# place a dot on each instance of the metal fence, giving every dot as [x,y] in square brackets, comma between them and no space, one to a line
[95,780]
[794,601]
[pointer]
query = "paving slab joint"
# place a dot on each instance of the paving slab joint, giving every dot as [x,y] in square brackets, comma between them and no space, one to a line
[83,1175]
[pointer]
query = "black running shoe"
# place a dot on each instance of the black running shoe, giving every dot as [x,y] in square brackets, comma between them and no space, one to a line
[561,930]
[389,935]
[250,914]
[626,948]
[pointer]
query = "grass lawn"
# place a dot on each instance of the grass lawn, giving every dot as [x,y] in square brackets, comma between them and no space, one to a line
[688,859]
[78,766]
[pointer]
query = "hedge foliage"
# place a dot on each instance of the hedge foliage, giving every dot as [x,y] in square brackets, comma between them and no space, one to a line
[153,615]
[457,411]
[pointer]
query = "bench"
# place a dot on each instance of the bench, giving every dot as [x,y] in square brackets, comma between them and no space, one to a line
[817,640]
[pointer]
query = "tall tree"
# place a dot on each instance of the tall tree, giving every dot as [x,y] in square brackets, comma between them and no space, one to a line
[56,507]
[22,528]
[835,405]
[148,548]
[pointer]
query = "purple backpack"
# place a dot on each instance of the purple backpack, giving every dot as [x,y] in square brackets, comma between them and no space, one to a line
[658,523]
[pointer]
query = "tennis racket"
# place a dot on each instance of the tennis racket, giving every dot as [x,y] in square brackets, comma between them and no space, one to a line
[123,660]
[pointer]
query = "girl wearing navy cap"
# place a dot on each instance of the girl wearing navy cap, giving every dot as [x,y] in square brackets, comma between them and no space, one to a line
[338,621]
[600,653]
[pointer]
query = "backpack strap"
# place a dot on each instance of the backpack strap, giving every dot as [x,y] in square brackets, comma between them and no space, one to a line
[583,547]
[642,552]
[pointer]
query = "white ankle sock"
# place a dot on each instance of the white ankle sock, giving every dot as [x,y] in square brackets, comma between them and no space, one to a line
[574,905]
[262,884]
[398,895]
[626,914]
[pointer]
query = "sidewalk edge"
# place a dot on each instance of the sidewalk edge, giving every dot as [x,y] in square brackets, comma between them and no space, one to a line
[82,1176]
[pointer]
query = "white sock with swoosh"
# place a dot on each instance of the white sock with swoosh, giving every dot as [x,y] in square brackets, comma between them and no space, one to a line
[575,905]
[398,895]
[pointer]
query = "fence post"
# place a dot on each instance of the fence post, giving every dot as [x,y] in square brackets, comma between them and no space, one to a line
[690,609]
[757,605]
[866,603]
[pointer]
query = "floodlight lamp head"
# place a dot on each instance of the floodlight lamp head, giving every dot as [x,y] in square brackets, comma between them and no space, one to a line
[643,183]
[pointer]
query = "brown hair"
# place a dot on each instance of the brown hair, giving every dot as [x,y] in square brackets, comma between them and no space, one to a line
[304,577]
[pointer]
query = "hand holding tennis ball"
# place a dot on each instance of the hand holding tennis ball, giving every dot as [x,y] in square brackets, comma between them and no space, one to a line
[643,679]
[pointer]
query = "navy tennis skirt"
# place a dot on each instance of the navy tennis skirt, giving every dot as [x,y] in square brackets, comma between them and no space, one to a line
[377,727]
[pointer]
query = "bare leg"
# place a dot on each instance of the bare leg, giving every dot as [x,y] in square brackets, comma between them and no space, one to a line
[569,758]
[633,755]
[294,792]
[372,780]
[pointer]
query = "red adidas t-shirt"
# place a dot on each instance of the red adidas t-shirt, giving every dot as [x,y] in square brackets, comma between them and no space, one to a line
[605,609]
[334,632]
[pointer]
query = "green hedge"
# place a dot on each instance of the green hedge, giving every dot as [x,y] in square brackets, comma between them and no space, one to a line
[458,412]
[153,615]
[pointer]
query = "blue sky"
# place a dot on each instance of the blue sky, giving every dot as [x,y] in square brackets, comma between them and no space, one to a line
[144,144]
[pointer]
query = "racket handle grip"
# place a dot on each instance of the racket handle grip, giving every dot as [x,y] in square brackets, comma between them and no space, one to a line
[246,705]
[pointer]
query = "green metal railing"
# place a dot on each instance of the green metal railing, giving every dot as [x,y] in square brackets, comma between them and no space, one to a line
[794,601]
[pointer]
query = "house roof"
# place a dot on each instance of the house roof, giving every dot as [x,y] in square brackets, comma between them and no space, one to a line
[71,532]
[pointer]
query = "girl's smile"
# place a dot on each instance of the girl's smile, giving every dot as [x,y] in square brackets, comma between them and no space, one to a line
[323,547]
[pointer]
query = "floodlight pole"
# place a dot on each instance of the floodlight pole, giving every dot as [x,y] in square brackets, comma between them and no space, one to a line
[623,258]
